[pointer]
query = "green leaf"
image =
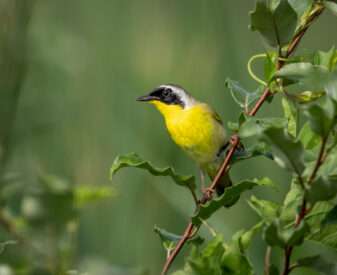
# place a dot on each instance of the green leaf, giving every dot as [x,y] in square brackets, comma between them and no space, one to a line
[133,160]
[267,210]
[51,201]
[187,270]
[324,58]
[331,217]
[292,202]
[297,234]
[270,64]
[230,197]
[255,150]
[319,264]
[234,261]
[233,126]
[326,234]
[86,194]
[53,184]
[317,214]
[308,138]
[250,128]
[290,110]
[311,77]
[331,86]
[268,182]
[287,151]
[169,240]
[331,6]
[272,236]
[241,119]
[333,62]
[196,241]
[254,126]
[276,234]
[276,26]
[6,243]
[321,122]
[240,95]
[273,270]
[209,260]
[272,122]
[328,168]
[322,188]
[300,6]
[247,237]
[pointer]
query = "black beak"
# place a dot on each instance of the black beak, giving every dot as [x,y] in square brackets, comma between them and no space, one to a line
[154,95]
[146,98]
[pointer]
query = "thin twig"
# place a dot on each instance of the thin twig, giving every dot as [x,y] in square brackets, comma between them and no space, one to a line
[262,99]
[304,211]
[11,229]
[236,141]
[188,232]
[178,248]
[193,195]
[293,266]
[23,240]
[299,36]
[287,255]
[301,215]
[291,48]
[319,159]
[301,181]
[310,208]
[194,232]
[266,261]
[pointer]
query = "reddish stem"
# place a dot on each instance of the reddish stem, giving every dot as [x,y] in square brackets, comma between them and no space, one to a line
[175,252]
[224,166]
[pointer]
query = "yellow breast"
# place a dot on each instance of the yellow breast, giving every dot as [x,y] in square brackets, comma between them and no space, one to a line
[195,130]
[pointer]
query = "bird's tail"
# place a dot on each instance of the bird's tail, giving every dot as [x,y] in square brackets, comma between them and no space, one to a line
[224,181]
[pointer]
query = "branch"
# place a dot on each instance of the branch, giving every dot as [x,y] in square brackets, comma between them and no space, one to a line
[180,245]
[320,159]
[235,143]
[188,232]
[287,252]
[304,211]
[302,32]
[11,229]
[293,266]
[291,48]
[23,240]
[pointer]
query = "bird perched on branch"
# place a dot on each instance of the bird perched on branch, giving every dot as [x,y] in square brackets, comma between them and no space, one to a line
[196,128]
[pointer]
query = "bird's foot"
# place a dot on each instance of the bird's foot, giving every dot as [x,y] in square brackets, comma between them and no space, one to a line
[235,139]
[207,194]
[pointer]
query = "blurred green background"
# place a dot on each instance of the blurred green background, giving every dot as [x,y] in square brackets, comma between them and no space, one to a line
[70,75]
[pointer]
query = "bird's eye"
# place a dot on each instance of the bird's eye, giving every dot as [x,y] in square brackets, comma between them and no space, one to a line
[167,92]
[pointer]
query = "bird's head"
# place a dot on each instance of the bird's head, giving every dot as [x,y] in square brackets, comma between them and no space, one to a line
[170,98]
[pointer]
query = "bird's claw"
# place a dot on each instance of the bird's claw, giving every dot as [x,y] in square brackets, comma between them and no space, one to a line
[207,194]
[235,139]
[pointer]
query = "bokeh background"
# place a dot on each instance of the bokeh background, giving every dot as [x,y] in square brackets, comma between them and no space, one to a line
[70,75]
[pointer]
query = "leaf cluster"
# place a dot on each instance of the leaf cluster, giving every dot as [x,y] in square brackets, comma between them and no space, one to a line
[308,87]
[40,221]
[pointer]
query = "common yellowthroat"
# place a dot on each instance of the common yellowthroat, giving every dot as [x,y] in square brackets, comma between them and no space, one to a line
[196,128]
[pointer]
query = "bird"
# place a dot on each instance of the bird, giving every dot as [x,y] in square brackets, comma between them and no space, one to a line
[196,128]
